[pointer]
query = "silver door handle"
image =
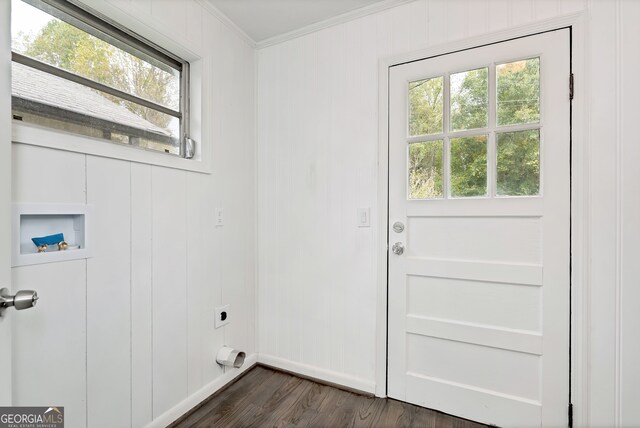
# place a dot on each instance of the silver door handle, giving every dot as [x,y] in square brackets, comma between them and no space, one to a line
[24,299]
[398,248]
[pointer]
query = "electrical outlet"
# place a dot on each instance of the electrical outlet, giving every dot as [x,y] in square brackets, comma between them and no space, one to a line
[222,316]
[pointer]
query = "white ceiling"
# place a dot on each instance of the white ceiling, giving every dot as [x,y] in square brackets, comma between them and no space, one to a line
[264,19]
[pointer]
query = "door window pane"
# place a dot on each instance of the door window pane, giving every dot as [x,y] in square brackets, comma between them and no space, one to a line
[469,99]
[469,166]
[518,163]
[425,106]
[518,86]
[425,170]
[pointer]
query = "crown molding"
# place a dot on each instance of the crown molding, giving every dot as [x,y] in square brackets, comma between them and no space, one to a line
[330,22]
[209,7]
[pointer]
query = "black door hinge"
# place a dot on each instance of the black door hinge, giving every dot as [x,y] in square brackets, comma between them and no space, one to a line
[570,415]
[571,86]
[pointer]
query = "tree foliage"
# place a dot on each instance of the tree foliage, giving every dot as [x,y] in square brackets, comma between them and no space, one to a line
[469,95]
[469,166]
[518,90]
[425,111]
[425,170]
[518,156]
[425,159]
[69,48]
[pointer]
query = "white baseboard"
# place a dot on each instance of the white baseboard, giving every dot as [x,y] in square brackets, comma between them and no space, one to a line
[196,398]
[321,374]
[318,373]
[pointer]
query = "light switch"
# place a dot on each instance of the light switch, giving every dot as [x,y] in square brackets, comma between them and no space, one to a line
[363,217]
[219,220]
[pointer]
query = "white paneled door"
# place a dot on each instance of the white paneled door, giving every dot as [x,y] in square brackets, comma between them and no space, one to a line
[5,197]
[479,232]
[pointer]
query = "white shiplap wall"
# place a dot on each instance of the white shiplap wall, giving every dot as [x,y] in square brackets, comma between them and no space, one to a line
[125,336]
[317,163]
[117,342]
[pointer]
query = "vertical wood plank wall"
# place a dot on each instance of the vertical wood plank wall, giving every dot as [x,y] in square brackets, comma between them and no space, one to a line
[134,324]
[317,163]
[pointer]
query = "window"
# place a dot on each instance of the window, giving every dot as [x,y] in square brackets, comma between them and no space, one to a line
[76,72]
[455,121]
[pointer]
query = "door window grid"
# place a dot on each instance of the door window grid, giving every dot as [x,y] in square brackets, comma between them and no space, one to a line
[526,156]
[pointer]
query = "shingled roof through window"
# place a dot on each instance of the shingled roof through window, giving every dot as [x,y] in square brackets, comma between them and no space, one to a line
[41,87]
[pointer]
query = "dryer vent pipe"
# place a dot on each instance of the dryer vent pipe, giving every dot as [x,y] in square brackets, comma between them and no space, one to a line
[230,357]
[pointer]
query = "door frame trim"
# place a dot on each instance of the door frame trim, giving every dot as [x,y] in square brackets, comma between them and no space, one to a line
[580,155]
[5,205]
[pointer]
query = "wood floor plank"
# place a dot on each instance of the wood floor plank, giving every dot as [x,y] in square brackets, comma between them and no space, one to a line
[277,407]
[367,412]
[306,407]
[268,398]
[231,399]
[396,414]
[337,410]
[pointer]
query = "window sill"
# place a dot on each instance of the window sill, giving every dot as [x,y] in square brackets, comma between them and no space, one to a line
[45,137]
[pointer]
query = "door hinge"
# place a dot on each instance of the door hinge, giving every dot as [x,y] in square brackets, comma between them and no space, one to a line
[571,86]
[570,414]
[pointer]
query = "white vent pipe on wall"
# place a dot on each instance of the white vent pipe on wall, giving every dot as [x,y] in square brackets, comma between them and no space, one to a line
[230,357]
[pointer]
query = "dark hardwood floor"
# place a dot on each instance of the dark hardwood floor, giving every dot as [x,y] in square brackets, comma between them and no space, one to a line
[267,398]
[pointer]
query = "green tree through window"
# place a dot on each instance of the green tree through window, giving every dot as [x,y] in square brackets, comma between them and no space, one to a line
[69,48]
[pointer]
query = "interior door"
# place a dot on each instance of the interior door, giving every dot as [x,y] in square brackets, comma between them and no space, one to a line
[479,212]
[5,196]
